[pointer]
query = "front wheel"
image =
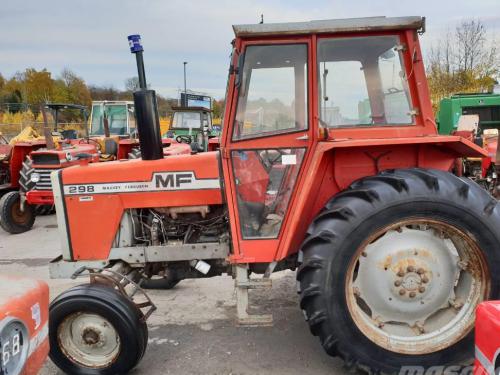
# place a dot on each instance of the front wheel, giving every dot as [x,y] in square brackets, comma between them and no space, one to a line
[94,330]
[12,218]
[394,267]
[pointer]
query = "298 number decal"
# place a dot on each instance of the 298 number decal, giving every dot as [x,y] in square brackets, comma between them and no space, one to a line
[82,189]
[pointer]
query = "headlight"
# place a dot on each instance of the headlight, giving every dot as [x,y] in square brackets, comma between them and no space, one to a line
[35,177]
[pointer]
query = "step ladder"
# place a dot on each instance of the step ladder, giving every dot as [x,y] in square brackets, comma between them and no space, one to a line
[243,283]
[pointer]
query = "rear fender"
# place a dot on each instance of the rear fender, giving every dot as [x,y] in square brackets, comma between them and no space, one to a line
[335,165]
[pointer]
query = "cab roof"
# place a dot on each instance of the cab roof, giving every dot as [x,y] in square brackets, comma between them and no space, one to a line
[191,109]
[331,26]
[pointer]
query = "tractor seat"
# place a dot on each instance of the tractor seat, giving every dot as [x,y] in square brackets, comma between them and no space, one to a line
[69,134]
[5,152]
[110,146]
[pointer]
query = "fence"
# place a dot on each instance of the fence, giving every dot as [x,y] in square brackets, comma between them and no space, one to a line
[9,130]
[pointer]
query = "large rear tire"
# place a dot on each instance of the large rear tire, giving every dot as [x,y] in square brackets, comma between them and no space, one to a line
[94,330]
[393,268]
[12,219]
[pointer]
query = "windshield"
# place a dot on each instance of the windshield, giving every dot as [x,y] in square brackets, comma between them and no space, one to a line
[272,94]
[116,115]
[362,82]
[186,120]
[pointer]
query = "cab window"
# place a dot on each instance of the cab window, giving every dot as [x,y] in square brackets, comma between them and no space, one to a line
[362,82]
[186,120]
[116,114]
[272,95]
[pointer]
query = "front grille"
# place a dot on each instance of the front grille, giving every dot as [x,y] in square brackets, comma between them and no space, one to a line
[45,159]
[44,182]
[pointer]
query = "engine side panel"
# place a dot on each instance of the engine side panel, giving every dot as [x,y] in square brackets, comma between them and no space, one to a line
[95,196]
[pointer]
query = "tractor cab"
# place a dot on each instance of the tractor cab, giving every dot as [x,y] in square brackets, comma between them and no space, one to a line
[192,125]
[113,129]
[67,132]
[120,118]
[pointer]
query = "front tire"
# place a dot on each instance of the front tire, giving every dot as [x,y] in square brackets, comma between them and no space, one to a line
[12,219]
[94,330]
[393,268]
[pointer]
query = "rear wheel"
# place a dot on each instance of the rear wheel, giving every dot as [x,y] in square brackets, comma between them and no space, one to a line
[12,218]
[94,330]
[394,267]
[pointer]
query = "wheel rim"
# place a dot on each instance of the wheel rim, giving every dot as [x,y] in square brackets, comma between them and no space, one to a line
[89,340]
[18,216]
[412,287]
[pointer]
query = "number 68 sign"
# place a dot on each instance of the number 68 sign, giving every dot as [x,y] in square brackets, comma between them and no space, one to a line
[14,343]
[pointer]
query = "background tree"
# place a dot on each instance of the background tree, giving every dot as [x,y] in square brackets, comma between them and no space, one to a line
[463,61]
[69,88]
[132,84]
[217,108]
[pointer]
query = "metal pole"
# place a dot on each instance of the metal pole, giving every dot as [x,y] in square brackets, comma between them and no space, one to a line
[140,70]
[185,87]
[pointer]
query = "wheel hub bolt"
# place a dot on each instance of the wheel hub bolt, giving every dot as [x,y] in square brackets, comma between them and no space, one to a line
[397,283]
[402,292]
[421,289]
[425,279]
[412,294]
[420,271]
[401,273]
[410,269]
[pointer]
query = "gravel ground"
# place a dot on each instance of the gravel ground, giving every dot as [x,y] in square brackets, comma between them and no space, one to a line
[193,330]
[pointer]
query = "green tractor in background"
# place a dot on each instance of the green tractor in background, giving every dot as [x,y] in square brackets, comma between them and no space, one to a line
[486,106]
[193,125]
[477,117]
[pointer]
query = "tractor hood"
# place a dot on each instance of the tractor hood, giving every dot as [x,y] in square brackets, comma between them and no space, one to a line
[92,199]
[64,155]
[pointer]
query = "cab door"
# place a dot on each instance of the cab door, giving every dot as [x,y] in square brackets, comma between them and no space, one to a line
[268,139]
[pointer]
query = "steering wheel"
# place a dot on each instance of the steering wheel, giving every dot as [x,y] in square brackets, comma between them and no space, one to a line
[89,140]
[184,139]
[269,160]
[393,90]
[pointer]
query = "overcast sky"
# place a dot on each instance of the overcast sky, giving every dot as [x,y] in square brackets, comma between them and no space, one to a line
[89,36]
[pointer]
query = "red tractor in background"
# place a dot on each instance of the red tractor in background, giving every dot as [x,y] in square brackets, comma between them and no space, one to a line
[24,327]
[25,165]
[330,164]
[483,170]
[29,160]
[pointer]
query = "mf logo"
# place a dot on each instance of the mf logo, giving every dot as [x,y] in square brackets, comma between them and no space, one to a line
[172,180]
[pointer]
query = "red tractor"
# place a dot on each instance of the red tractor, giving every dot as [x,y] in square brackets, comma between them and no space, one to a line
[330,164]
[24,327]
[26,163]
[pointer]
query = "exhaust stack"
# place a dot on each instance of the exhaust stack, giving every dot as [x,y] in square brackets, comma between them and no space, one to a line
[146,108]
